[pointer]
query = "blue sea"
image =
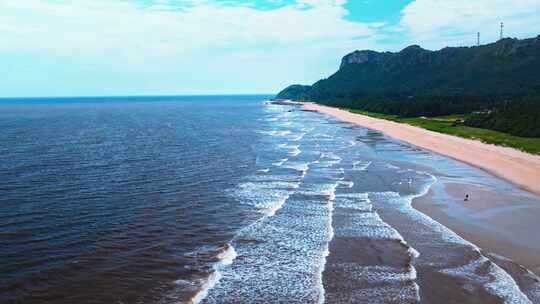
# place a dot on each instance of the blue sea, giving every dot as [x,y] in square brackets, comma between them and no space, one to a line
[221,199]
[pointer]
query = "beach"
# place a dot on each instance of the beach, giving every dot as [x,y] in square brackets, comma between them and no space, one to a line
[497,220]
[520,168]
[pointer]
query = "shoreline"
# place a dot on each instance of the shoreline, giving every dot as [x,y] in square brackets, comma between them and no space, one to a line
[502,229]
[517,167]
[487,220]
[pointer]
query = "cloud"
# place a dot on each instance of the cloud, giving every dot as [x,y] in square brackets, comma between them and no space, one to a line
[96,25]
[98,47]
[168,38]
[437,23]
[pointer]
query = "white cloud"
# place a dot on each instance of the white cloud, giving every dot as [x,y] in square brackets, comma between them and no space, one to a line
[437,23]
[96,47]
[98,25]
[165,40]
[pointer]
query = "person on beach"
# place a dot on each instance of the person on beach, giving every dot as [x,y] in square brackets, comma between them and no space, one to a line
[466,198]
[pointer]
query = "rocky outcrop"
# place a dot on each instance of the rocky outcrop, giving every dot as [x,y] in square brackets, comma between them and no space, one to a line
[361,57]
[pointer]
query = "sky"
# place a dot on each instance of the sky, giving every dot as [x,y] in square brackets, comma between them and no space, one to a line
[173,47]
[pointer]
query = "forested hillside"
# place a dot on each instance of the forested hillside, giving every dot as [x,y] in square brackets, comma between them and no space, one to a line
[416,82]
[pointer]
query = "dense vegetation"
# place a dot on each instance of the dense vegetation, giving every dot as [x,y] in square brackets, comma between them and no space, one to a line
[296,91]
[496,79]
[520,118]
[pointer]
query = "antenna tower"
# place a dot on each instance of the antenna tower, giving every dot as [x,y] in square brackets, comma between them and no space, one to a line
[502,30]
[478,39]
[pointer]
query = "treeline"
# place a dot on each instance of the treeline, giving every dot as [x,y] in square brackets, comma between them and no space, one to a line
[417,106]
[517,118]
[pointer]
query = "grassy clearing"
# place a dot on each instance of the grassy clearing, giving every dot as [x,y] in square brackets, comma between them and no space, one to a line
[445,124]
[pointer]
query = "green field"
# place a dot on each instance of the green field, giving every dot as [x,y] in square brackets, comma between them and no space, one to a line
[445,124]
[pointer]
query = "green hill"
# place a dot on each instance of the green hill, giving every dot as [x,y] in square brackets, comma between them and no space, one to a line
[418,82]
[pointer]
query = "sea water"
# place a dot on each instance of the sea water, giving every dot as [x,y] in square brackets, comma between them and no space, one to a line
[217,199]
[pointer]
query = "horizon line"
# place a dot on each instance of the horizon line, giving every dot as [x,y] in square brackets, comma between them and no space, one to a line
[134,96]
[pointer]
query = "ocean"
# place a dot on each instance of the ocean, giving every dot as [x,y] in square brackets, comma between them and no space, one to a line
[222,199]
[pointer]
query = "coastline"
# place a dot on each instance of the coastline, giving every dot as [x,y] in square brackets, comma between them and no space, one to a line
[488,220]
[517,167]
[505,228]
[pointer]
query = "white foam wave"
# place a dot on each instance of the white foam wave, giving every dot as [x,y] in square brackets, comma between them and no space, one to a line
[331,193]
[501,283]
[298,166]
[280,162]
[366,223]
[276,206]
[346,184]
[391,166]
[210,282]
[298,137]
[329,159]
[267,196]
[325,190]
[277,133]
[225,258]
[361,165]
[330,155]
[295,152]
[322,136]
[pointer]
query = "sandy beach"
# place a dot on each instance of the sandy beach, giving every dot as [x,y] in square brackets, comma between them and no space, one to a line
[518,167]
[504,225]
[499,223]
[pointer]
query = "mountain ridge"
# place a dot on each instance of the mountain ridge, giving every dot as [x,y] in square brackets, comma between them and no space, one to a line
[508,68]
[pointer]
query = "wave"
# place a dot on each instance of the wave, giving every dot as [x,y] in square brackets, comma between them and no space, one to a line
[264,195]
[361,165]
[277,133]
[298,166]
[293,149]
[210,282]
[295,152]
[331,193]
[291,245]
[298,137]
[346,184]
[329,159]
[322,136]
[280,162]
[387,282]
[225,258]
[478,269]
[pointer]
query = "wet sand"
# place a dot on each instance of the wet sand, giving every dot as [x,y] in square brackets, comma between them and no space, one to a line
[518,167]
[498,223]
